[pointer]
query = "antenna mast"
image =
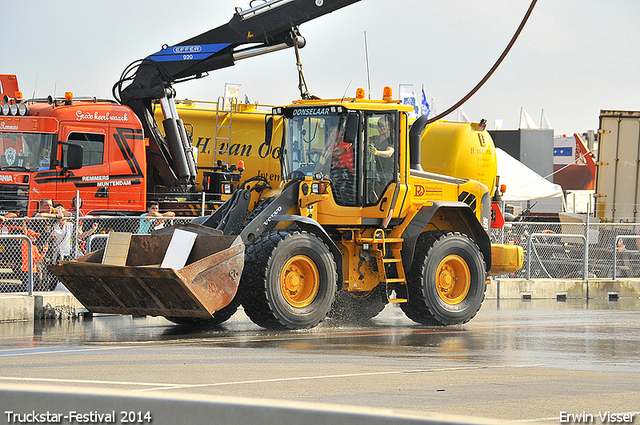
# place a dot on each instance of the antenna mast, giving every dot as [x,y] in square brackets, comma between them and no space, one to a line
[366,53]
[34,89]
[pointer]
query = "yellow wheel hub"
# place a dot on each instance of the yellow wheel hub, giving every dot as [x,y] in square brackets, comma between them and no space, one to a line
[453,279]
[299,281]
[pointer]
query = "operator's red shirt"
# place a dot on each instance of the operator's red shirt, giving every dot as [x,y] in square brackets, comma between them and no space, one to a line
[346,158]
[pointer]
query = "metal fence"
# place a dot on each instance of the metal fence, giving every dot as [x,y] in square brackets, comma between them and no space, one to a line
[91,235]
[552,250]
[569,251]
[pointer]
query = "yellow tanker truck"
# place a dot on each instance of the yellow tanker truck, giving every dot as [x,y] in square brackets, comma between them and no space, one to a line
[237,135]
[223,137]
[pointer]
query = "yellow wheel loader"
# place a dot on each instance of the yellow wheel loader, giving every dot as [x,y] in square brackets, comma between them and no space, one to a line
[342,238]
[346,231]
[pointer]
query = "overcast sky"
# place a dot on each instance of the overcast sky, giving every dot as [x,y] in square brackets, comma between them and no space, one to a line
[574,57]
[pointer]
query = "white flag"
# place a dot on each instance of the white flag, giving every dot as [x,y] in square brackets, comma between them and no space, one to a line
[408,97]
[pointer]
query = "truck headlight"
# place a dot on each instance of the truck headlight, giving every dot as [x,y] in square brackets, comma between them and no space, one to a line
[23,110]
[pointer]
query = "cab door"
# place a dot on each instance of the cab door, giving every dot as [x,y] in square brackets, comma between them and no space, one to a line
[127,162]
[94,173]
[380,165]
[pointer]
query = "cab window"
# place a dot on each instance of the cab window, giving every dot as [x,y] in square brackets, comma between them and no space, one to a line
[93,147]
[381,162]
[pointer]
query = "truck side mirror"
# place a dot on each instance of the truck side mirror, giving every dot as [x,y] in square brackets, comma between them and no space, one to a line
[74,154]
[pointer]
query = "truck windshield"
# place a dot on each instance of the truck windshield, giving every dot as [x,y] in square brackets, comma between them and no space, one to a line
[311,137]
[25,151]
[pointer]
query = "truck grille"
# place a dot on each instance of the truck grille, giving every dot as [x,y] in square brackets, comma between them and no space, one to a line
[14,198]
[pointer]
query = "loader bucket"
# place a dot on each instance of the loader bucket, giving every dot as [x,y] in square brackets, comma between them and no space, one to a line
[207,283]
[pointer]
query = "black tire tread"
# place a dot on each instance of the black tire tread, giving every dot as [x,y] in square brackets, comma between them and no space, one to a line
[253,293]
[351,310]
[417,308]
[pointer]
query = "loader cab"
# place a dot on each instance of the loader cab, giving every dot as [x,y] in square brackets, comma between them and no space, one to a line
[355,150]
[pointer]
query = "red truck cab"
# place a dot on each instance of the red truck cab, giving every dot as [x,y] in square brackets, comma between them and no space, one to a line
[38,139]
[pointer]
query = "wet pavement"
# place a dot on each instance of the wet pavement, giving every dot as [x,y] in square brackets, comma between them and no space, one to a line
[516,360]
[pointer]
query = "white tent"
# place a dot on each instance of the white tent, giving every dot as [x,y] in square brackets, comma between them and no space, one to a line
[522,182]
[461,116]
[526,121]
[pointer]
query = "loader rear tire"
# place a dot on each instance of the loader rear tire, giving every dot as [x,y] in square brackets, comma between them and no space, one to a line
[447,280]
[356,308]
[289,280]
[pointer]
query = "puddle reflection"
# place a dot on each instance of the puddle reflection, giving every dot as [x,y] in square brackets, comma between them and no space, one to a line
[505,332]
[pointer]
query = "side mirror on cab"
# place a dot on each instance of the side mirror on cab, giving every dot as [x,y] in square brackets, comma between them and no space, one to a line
[72,156]
[353,128]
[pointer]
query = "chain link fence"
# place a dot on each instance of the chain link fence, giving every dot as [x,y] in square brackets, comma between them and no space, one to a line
[569,251]
[91,235]
[552,250]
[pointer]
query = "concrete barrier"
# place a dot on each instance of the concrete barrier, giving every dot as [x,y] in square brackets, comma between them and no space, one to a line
[506,289]
[94,406]
[40,305]
[16,307]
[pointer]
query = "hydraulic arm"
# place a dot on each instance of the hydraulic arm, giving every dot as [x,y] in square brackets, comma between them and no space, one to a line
[268,27]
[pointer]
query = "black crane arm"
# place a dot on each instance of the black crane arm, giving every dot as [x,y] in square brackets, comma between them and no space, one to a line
[268,27]
[262,29]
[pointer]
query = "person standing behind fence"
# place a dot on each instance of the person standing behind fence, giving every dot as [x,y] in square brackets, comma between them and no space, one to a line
[4,229]
[7,216]
[147,219]
[46,210]
[36,257]
[43,223]
[61,238]
[42,226]
[76,206]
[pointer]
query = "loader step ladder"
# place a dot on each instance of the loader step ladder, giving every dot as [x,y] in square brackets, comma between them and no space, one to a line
[387,251]
[224,118]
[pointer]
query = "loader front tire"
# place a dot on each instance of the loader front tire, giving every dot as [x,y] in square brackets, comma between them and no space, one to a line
[447,280]
[289,280]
